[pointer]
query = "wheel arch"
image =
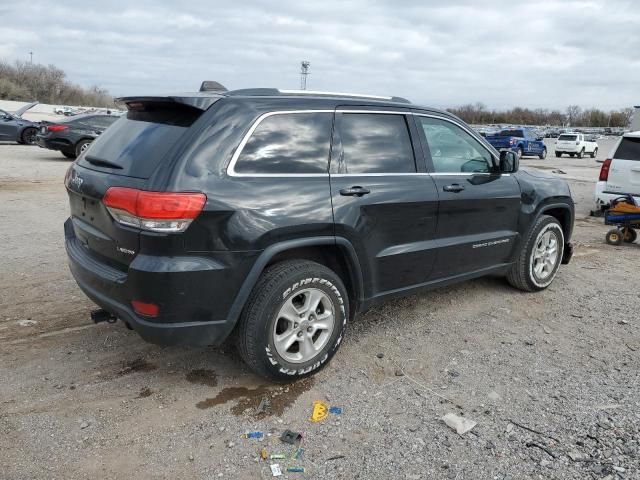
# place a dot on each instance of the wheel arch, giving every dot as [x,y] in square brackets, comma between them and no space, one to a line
[335,253]
[562,213]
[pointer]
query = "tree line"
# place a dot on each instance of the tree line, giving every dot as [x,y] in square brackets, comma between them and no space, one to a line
[28,82]
[573,116]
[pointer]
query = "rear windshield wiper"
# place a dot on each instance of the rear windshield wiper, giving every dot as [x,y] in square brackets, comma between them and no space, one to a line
[102,163]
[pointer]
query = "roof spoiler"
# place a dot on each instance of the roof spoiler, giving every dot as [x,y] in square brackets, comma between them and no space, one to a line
[194,100]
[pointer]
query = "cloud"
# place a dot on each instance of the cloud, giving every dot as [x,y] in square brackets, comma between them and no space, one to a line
[530,53]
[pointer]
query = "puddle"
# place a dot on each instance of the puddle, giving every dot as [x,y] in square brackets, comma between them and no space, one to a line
[280,397]
[137,365]
[208,378]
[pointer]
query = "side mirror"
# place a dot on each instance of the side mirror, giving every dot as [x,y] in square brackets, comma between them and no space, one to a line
[509,162]
[6,118]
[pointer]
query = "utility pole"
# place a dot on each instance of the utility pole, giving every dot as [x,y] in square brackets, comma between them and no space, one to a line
[31,55]
[304,71]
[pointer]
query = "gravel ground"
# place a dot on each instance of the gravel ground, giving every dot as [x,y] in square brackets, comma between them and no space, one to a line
[550,378]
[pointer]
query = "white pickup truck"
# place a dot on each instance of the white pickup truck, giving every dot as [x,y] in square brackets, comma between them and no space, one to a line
[575,145]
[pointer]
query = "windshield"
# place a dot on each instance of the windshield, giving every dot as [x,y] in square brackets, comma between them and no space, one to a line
[511,133]
[568,138]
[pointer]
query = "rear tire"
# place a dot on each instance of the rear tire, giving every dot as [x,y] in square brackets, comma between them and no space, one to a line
[543,155]
[28,136]
[68,154]
[558,154]
[594,153]
[81,146]
[540,257]
[629,235]
[519,153]
[278,333]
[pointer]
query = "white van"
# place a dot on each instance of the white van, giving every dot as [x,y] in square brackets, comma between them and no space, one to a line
[620,173]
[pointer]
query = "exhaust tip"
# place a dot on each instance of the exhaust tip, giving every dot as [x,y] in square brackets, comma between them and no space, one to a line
[100,315]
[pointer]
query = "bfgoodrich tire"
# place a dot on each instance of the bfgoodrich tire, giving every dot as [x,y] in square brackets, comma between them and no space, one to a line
[540,257]
[294,320]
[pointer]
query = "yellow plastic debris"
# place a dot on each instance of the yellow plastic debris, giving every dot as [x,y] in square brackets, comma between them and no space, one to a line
[319,412]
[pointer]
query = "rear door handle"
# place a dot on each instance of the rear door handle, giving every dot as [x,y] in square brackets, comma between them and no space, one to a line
[355,191]
[453,188]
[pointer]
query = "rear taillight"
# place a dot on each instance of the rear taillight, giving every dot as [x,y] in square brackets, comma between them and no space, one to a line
[511,141]
[155,211]
[146,309]
[56,128]
[604,170]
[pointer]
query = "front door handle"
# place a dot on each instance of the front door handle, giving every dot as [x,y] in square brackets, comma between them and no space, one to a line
[354,191]
[453,188]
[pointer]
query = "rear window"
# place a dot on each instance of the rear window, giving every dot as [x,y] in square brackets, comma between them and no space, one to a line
[511,133]
[137,142]
[568,138]
[287,143]
[629,149]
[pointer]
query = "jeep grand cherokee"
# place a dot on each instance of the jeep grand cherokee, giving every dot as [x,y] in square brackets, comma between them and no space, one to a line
[279,215]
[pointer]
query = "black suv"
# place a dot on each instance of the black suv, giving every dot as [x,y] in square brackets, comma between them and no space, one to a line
[279,215]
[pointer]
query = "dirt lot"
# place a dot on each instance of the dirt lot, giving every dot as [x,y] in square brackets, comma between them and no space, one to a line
[552,379]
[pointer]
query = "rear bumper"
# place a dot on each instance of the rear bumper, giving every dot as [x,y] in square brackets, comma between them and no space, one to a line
[602,199]
[194,294]
[51,144]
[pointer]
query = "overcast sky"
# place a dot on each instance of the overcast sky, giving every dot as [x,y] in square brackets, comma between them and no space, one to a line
[439,53]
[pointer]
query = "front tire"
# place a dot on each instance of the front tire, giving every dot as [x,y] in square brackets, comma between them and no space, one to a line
[294,320]
[581,154]
[540,257]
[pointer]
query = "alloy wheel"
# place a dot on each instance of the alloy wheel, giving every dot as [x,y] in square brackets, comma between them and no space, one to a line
[303,325]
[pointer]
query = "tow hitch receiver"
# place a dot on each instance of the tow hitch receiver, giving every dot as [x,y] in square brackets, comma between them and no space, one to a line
[101,315]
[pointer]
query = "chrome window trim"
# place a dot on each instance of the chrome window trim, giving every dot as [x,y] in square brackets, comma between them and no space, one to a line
[234,159]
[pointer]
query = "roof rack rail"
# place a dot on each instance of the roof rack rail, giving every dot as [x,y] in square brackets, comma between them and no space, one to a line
[276,91]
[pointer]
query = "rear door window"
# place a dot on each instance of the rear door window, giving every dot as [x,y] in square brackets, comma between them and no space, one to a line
[629,149]
[287,144]
[373,143]
[137,142]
